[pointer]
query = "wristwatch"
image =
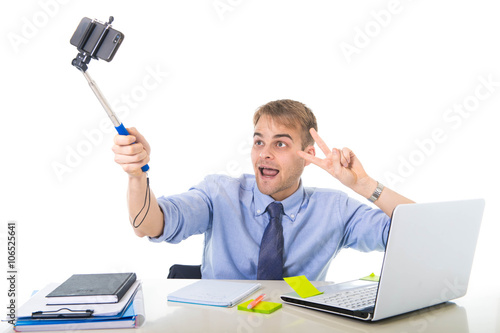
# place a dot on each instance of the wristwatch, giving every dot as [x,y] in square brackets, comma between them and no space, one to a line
[377,192]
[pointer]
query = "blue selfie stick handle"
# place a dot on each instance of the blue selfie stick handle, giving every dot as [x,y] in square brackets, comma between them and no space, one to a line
[123,131]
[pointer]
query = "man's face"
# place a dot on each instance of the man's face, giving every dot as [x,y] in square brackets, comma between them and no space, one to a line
[275,161]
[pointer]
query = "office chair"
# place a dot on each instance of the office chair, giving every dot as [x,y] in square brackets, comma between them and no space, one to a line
[184,272]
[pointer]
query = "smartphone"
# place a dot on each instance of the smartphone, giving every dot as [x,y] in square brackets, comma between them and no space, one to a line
[97,39]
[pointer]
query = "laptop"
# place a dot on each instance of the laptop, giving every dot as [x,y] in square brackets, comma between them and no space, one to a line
[427,261]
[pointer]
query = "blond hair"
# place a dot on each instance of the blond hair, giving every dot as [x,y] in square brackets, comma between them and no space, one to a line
[291,114]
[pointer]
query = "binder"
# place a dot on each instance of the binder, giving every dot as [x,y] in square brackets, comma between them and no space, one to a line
[132,317]
[35,315]
[37,305]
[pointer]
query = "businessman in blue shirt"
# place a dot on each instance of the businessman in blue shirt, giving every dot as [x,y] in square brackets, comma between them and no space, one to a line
[267,225]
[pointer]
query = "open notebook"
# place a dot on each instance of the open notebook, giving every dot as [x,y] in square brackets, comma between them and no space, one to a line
[214,292]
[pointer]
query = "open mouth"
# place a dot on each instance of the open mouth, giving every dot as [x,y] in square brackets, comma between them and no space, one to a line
[268,172]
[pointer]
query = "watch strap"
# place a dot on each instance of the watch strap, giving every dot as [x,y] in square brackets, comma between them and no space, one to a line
[377,192]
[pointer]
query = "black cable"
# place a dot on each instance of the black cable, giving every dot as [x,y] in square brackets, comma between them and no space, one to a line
[146,198]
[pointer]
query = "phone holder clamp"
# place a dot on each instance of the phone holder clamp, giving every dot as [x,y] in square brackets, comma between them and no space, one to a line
[83,58]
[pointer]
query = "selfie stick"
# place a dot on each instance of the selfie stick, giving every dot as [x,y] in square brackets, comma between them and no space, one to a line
[81,61]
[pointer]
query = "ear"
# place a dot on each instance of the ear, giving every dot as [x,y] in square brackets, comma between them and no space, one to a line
[311,151]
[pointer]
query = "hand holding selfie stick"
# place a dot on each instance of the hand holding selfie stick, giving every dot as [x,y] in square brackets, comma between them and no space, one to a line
[94,41]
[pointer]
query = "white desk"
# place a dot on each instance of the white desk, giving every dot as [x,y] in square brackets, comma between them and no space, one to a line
[465,315]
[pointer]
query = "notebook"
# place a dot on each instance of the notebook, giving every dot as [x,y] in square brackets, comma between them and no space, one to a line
[214,292]
[428,260]
[92,288]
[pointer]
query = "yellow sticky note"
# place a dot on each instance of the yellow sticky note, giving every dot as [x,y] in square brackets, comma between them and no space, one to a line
[261,307]
[302,286]
[371,277]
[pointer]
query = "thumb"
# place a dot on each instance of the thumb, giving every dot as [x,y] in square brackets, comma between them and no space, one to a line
[139,138]
[337,168]
[133,131]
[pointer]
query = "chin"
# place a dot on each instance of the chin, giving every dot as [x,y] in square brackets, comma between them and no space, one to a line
[264,187]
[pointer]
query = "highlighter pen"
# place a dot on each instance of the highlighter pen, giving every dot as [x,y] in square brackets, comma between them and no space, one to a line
[256,301]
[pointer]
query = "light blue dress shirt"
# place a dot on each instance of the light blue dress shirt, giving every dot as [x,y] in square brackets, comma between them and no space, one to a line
[231,212]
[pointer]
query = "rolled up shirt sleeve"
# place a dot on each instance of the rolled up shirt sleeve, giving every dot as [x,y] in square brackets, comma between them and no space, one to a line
[185,214]
[366,229]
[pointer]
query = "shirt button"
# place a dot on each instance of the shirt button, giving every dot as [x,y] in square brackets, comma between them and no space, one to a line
[292,216]
[258,211]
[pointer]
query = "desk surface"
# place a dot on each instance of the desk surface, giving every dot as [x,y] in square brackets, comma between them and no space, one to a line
[467,314]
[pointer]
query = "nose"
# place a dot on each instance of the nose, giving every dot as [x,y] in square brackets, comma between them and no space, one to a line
[265,153]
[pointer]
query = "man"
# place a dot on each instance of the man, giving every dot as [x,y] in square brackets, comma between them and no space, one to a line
[267,225]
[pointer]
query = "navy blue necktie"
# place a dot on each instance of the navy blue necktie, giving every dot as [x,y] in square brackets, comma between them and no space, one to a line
[271,247]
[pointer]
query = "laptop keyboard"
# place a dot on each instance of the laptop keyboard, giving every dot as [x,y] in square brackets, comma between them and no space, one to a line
[354,299]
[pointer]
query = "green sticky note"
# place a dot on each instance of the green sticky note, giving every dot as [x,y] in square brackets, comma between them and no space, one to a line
[261,307]
[302,286]
[371,277]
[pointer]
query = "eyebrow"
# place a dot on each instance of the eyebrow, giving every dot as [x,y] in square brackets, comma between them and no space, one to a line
[277,136]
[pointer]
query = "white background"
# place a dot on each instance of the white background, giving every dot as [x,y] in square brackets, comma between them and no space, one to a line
[214,68]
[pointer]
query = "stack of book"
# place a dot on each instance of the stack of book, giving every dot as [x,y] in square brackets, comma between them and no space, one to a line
[85,301]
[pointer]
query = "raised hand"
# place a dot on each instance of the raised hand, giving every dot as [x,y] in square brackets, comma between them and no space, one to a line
[341,164]
[131,152]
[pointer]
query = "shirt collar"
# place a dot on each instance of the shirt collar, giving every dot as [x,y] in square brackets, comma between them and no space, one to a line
[291,205]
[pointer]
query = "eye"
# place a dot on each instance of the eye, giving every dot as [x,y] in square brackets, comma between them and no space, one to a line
[281,144]
[258,143]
